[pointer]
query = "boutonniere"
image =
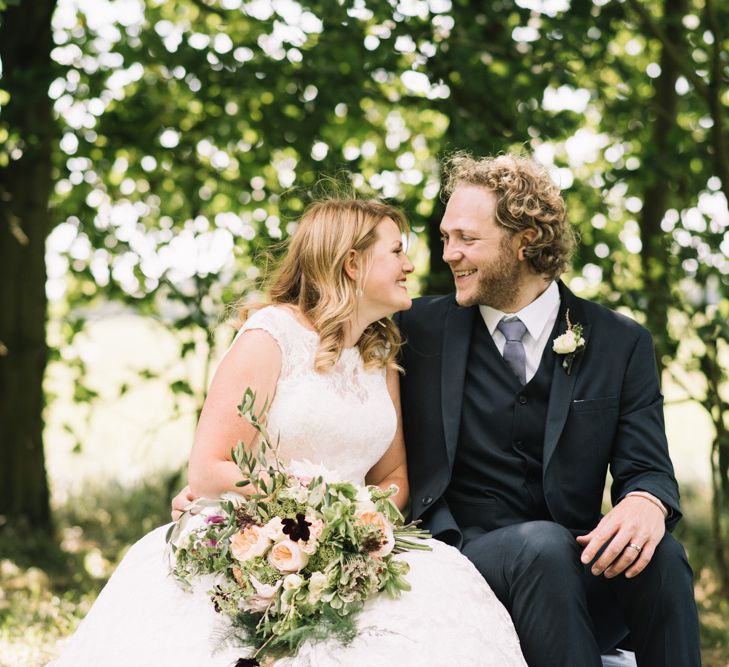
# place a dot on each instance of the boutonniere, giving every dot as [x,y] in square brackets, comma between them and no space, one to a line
[570,343]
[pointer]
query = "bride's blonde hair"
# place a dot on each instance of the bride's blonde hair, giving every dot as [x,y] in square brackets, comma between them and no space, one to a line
[312,277]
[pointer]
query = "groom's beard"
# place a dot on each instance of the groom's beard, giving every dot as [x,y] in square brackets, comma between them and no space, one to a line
[499,283]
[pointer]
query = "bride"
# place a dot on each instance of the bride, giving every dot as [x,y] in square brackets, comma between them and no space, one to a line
[325,351]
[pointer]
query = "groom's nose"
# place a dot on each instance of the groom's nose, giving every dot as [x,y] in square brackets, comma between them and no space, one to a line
[450,253]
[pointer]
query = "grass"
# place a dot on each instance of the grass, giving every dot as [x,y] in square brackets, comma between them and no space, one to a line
[694,531]
[48,584]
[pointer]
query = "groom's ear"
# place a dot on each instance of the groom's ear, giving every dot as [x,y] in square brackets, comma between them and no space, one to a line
[526,238]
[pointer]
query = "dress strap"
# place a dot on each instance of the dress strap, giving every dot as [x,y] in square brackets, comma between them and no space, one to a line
[285,330]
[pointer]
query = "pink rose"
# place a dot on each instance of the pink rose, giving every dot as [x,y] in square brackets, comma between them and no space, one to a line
[316,526]
[286,556]
[304,480]
[249,543]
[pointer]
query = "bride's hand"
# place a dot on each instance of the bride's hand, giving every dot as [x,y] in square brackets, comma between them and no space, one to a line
[181,501]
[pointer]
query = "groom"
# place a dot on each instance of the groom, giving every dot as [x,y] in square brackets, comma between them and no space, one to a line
[517,397]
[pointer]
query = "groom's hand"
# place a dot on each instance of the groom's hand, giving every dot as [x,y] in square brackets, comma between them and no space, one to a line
[631,531]
[181,501]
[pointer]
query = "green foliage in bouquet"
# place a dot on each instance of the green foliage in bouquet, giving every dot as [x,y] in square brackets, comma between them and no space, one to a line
[296,557]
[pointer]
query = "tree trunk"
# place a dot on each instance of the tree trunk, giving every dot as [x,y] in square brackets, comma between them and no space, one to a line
[25,186]
[655,256]
[716,407]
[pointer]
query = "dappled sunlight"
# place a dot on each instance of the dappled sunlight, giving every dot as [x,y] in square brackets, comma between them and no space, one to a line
[48,586]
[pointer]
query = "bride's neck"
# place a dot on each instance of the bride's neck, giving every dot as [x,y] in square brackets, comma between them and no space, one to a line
[353,331]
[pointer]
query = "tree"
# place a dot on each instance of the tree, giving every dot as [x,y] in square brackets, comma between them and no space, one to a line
[28,132]
[199,129]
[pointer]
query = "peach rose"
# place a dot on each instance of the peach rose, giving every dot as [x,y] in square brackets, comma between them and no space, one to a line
[377,520]
[373,518]
[249,543]
[286,556]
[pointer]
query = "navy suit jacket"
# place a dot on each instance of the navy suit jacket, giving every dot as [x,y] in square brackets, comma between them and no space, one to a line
[607,413]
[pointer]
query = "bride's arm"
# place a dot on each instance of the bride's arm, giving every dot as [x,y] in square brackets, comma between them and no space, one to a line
[253,361]
[392,467]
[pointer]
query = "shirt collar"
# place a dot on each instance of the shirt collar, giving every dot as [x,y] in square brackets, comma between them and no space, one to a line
[534,315]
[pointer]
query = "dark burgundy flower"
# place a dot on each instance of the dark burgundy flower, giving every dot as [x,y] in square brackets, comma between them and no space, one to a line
[297,529]
[215,518]
[247,662]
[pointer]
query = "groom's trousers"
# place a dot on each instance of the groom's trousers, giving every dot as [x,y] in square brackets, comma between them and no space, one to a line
[565,616]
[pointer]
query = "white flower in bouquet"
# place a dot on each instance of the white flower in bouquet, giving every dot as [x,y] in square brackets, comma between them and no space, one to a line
[364,501]
[305,471]
[250,542]
[263,597]
[318,581]
[287,556]
[309,547]
[292,582]
[190,525]
[299,494]
[274,529]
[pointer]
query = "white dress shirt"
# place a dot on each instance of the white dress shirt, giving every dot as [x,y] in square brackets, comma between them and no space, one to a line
[538,317]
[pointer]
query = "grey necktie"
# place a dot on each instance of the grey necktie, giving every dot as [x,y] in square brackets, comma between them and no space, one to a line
[514,355]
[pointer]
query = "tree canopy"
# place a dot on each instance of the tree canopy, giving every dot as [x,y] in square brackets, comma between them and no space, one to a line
[158,148]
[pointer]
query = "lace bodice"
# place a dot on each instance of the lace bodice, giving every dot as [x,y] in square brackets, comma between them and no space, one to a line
[343,418]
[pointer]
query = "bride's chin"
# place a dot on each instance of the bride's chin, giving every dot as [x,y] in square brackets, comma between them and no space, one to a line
[403,304]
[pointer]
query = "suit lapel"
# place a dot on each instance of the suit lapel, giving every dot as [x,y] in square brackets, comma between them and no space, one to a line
[560,395]
[456,342]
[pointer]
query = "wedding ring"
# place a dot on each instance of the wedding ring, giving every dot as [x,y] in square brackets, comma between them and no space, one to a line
[634,546]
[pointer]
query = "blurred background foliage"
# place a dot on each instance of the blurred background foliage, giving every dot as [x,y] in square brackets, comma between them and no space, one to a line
[151,152]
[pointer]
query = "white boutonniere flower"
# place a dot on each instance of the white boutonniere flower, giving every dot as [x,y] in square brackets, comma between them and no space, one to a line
[569,344]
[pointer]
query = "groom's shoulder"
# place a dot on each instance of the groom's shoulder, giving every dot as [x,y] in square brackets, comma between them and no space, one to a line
[426,311]
[432,303]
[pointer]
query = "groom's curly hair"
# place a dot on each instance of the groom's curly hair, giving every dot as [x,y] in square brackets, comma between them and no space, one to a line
[526,198]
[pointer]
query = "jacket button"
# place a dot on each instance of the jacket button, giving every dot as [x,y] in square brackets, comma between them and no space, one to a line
[522,399]
[427,500]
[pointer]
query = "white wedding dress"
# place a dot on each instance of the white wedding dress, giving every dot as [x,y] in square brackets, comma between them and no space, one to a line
[343,419]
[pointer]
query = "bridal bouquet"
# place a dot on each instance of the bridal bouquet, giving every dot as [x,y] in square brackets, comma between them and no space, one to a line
[297,557]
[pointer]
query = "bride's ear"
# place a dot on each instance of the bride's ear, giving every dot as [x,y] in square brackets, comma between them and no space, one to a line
[352,265]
